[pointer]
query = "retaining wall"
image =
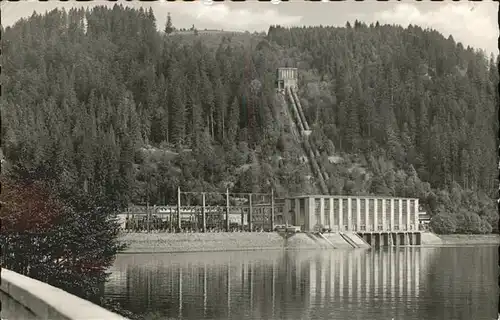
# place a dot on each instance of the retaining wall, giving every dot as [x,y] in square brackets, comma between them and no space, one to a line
[48,302]
[337,240]
[224,241]
[357,239]
[199,242]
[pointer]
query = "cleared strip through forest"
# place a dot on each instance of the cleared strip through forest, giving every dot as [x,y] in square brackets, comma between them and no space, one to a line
[309,151]
[306,125]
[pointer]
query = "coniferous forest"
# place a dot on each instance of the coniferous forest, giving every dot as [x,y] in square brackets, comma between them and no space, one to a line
[107,101]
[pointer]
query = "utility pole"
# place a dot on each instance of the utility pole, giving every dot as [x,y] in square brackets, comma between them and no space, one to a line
[272,209]
[227,210]
[203,212]
[178,209]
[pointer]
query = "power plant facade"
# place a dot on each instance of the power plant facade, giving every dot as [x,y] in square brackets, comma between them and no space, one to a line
[352,213]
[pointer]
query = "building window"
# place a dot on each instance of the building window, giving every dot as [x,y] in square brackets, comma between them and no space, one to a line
[371,214]
[412,211]
[336,212]
[380,214]
[387,213]
[317,210]
[397,220]
[405,212]
[344,211]
[354,210]
[362,208]
[302,204]
[327,212]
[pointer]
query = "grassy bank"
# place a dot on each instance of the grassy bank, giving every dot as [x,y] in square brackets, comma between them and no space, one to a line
[210,242]
[246,241]
[201,242]
[470,239]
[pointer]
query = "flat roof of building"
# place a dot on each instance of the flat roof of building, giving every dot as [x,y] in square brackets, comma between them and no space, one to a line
[342,197]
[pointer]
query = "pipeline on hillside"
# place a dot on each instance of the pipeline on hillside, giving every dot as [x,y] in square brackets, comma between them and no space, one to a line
[313,147]
[299,107]
[293,126]
[295,110]
[306,146]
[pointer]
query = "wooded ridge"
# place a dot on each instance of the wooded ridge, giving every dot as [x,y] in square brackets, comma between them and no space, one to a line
[103,100]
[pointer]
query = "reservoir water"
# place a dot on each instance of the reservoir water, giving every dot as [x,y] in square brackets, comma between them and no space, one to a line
[447,283]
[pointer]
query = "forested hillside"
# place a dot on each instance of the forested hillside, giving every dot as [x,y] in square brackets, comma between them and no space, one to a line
[104,100]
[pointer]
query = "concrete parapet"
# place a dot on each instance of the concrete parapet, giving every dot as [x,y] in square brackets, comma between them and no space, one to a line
[48,302]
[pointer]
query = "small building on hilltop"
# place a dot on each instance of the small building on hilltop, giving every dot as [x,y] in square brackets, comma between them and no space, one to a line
[287,78]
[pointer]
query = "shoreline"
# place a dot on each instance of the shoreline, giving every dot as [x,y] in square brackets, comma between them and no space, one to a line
[200,242]
[153,250]
[469,239]
[269,241]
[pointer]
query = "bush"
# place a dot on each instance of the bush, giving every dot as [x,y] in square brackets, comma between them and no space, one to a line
[329,147]
[443,224]
[66,239]
[468,223]
[485,227]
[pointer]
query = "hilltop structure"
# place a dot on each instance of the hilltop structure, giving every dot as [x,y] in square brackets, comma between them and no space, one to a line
[287,78]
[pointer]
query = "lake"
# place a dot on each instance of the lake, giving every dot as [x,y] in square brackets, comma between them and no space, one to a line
[394,283]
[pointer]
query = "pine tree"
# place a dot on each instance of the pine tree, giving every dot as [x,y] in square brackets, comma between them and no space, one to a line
[178,118]
[233,121]
[220,110]
[169,27]
[352,130]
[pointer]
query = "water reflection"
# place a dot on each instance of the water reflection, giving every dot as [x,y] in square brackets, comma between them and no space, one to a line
[402,283]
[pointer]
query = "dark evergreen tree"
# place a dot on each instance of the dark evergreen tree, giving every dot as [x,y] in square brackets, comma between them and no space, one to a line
[169,27]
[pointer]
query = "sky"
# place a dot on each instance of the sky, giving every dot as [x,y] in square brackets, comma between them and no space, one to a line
[473,24]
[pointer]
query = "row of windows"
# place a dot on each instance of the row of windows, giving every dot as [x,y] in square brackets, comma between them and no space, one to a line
[366,209]
[287,73]
[362,203]
[383,209]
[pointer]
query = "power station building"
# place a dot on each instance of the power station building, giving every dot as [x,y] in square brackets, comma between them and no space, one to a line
[352,213]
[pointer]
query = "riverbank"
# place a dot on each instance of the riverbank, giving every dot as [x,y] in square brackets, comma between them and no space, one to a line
[470,239]
[200,242]
[246,241]
[210,242]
